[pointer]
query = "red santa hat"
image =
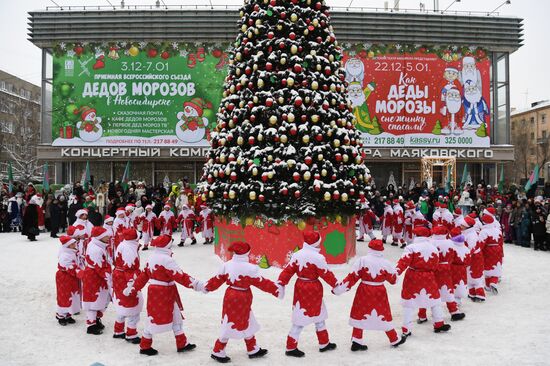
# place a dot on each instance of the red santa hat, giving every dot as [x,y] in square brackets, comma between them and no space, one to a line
[377,245]
[443,205]
[99,232]
[312,238]
[388,203]
[395,201]
[473,215]
[458,211]
[71,230]
[452,66]
[130,207]
[410,205]
[487,219]
[130,234]
[239,247]
[161,241]
[167,205]
[440,231]
[84,112]
[81,212]
[469,221]
[149,207]
[120,211]
[78,230]
[108,219]
[422,231]
[456,235]
[66,241]
[490,211]
[437,205]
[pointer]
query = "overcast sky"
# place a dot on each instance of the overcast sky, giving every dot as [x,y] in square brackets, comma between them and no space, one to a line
[530,77]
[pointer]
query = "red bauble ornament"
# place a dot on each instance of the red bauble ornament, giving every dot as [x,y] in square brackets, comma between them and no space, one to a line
[336,196]
[297,68]
[338,157]
[333,177]
[152,53]
[352,192]
[298,102]
[292,36]
[217,53]
[261,198]
[296,176]
[319,137]
[293,130]
[225,195]
[264,177]
[269,102]
[269,66]
[251,140]
[283,15]
[308,160]
[282,45]
[233,176]
[297,194]
[78,50]
[284,191]
[317,188]
[165,55]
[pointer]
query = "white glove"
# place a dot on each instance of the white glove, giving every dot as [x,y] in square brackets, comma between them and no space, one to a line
[281,291]
[340,289]
[199,286]
[129,287]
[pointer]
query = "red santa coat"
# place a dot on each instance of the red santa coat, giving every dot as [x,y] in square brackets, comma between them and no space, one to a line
[387,220]
[443,274]
[238,320]
[371,308]
[97,277]
[167,222]
[111,244]
[368,218]
[398,219]
[409,217]
[419,260]
[443,217]
[186,219]
[162,272]
[67,282]
[459,266]
[206,220]
[419,220]
[309,265]
[491,240]
[119,225]
[126,269]
[476,255]
[88,226]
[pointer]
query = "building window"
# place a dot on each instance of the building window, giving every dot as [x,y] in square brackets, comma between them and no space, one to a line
[6,127]
[513,125]
[543,118]
[543,134]
[532,151]
[532,120]
[2,85]
[532,135]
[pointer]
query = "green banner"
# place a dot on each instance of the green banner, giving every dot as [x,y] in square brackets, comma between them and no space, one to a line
[136,94]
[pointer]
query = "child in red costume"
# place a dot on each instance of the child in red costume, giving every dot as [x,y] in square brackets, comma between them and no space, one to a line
[67,282]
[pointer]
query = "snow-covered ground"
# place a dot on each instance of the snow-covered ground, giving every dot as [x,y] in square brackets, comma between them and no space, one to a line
[509,329]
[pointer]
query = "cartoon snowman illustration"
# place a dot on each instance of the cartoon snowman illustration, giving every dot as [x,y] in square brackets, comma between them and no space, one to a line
[89,127]
[191,126]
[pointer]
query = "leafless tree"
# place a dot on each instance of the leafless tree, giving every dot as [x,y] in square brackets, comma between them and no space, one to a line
[22,143]
[543,150]
[521,158]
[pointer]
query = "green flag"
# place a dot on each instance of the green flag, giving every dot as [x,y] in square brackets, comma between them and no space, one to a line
[10,177]
[448,182]
[86,178]
[126,176]
[464,176]
[533,179]
[45,179]
[501,180]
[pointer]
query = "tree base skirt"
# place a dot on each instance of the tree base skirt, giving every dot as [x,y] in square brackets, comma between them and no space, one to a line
[274,245]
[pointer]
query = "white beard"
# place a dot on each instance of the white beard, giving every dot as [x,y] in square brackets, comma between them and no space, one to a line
[357,100]
[355,70]
[470,75]
[473,97]
[453,106]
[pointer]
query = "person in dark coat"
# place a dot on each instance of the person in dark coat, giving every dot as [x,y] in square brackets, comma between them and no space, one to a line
[538,224]
[94,216]
[62,213]
[71,212]
[30,220]
[55,217]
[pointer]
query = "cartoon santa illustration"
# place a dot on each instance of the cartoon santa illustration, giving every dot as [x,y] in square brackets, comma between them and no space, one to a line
[355,70]
[192,124]
[450,76]
[89,127]
[469,72]
[452,109]
[476,108]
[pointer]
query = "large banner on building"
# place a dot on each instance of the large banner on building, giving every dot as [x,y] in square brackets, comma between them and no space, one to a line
[136,94]
[420,96]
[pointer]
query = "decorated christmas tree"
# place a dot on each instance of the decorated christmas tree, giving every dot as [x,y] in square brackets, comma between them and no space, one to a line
[437,128]
[285,146]
[482,130]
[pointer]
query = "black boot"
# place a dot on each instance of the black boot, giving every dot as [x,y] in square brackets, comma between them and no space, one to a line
[443,328]
[145,248]
[194,241]
[119,336]
[62,321]
[221,359]
[295,353]
[261,353]
[358,347]
[401,341]
[394,244]
[360,239]
[134,340]
[403,245]
[148,352]
[421,321]
[70,320]
[180,244]
[94,329]
[457,317]
[187,347]
[328,347]
[99,323]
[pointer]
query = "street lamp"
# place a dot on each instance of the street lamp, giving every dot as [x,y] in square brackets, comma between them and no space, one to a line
[451,4]
[507,2]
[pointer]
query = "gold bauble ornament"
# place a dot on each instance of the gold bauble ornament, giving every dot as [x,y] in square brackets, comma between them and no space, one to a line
[240,140]
[260,83]
[254,171]
[327,196]
[290,82]
[294,49]
[336,143]
[307,176]
[280,100]
[238,56]
[345,158]
[314,85]
[232,194]
[293,17]
[133,51]
[324,173]
[260,137]
[320,157]
[249,220]
[305,139]
[344,197]
[270,157]
[252,195]
[315,118]
[291,117]
[273,120]
[270,175]
[301,224]
[211,194]
[283,139]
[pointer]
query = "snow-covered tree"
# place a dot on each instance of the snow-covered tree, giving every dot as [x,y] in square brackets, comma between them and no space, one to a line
[285,145]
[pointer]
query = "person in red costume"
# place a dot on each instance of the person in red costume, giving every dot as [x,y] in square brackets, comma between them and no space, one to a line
[307,306]
[371,308]
[186,219]
[419,263]
[119,225]
[67,282]
[366,221]
[491,237]
[475,277]
[126,260]
[167,220]
[387,221]
[206,223]
[398,224]
[459,270]
[238,321]
[96,281]
[163,301]
[148,221]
